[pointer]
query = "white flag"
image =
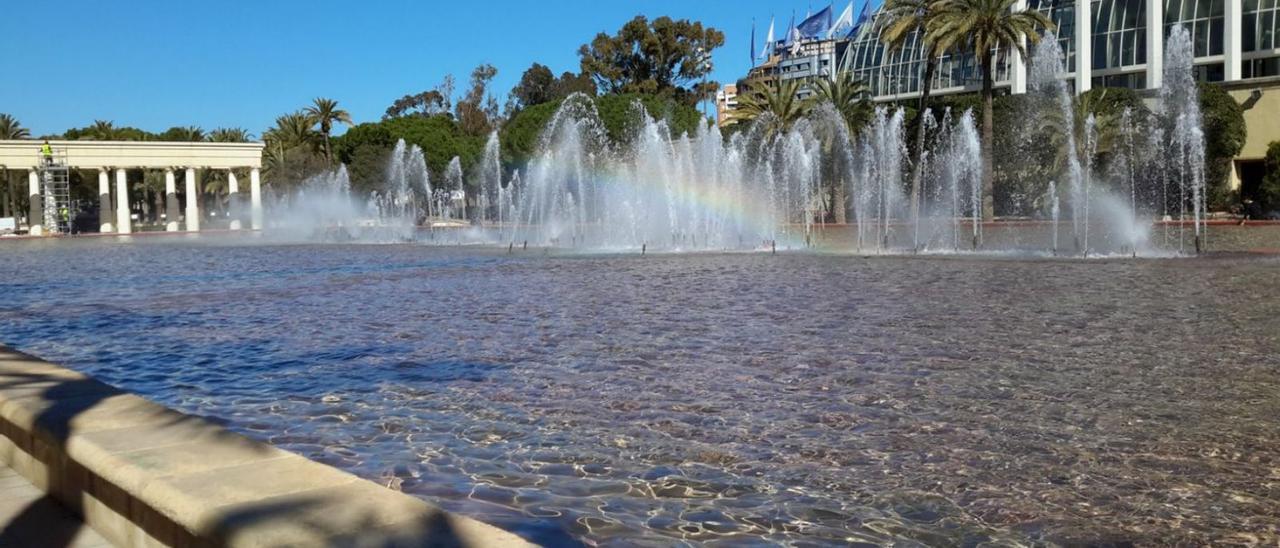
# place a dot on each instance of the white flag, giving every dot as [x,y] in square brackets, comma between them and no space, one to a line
[843,23]
[768,43]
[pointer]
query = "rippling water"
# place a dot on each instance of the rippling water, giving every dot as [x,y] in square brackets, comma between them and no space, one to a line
[732,398]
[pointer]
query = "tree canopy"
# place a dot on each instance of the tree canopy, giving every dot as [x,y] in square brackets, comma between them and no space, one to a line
[365,148]
[1224,136]
[1269,191]
[477,112]
[11,128]
[427,103]
[520,135]
[664,57]
[539,85]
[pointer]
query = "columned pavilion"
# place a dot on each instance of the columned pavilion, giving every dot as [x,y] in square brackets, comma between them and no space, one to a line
[116,157]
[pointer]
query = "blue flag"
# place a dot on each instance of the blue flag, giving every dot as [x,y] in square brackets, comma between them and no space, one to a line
[862,18]
[816,25]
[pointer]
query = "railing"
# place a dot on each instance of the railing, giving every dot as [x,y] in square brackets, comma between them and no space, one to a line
[56,157]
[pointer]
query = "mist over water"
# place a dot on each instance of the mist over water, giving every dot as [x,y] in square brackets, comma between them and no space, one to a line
[795,184]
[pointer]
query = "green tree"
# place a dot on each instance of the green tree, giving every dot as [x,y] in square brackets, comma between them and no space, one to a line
[520,136]
[985,27]
[534,87]
[183,133]
[666,57]
[230,135]
[778,106]
[906,19]
[11,129]
[1269,191]
[427,103]
[291,152]
[538,85]
[477,112]
[365,148]
[294,130]
[1106,106]
[325,112]
[1224,137]
[848,96]
[102,130]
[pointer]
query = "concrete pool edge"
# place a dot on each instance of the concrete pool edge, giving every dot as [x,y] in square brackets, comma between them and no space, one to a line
[144,475]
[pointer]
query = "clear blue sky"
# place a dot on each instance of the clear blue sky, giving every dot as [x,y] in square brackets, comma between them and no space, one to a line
[154,64]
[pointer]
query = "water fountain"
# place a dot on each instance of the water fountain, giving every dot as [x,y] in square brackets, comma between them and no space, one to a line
[407,178]
[952,185]
[1180,111]
[1050,92]
[489,177]
[775,184]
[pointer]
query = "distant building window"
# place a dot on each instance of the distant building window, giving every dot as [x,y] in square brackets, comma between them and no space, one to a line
[1258,25]
[1260,68]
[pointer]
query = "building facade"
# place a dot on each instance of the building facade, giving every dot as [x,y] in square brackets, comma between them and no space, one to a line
[1106,43]
[726,102]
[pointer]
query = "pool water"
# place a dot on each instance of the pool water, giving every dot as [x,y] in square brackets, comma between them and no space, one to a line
[734,398]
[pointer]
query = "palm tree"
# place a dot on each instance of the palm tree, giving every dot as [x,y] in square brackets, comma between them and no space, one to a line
[848,99]
[230,135]
[986,27]
[190,134]
[780,101]
[11,129]
[101,130]
[848,96]
[325,112]
[291,149]
[293,130]
[907,19]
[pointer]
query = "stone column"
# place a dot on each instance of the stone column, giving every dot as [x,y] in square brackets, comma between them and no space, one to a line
[124,221]
[255,199]
[1155,44]
[193,202]
[1084,45]
[106,215]
[35,215]
[170,201]
[1017,63]
[1231,32]
[233,198]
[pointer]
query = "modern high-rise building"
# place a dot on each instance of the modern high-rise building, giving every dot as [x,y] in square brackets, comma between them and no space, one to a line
[1235,43]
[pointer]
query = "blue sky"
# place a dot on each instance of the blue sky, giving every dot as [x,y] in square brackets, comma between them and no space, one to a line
[154,64]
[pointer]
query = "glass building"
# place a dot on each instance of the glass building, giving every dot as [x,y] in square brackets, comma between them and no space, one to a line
[1111,47]
[1106,43]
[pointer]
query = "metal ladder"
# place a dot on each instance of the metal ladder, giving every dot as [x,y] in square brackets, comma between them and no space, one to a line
[55,180]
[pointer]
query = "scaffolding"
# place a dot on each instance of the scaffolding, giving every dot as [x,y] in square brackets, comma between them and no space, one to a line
[55,182]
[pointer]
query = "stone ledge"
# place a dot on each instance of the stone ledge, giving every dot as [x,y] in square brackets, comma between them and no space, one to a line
[145,475]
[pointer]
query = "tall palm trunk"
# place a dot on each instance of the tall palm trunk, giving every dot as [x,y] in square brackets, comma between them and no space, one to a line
[325,129]
[917,155]
[988,136]
[159,198]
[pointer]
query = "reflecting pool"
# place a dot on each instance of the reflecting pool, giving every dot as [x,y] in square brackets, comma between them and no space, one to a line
[735,398]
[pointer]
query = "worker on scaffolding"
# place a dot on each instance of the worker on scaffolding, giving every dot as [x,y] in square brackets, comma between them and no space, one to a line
[47,151]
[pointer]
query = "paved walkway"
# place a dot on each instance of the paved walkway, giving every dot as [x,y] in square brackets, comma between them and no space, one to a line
[29,518]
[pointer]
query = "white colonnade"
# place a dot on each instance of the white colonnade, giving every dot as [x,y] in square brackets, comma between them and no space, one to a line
[115,206]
